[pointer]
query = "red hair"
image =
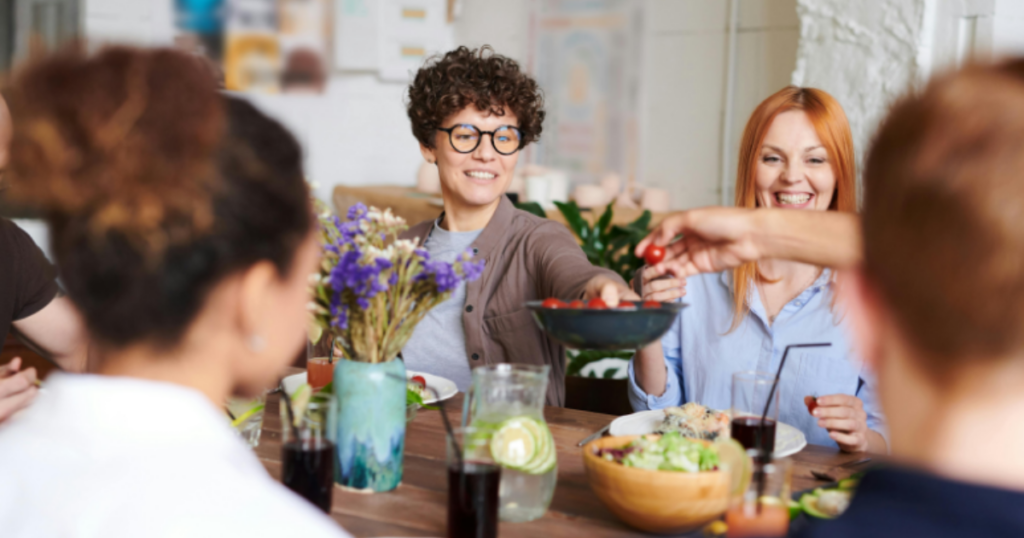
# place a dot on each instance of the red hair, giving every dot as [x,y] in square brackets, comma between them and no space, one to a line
[833,130]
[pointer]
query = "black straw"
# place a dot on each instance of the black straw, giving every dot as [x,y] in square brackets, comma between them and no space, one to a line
[761,436]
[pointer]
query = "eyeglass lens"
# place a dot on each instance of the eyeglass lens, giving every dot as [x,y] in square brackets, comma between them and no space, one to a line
[465,138]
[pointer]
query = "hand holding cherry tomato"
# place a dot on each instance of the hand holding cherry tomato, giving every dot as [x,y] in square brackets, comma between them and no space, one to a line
[654,254]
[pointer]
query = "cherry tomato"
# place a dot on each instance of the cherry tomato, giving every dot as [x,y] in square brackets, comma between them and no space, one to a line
[811,402]
[652,304]
[577,304]
[597,303]
[654,254]
[418,379]
[553,303]
[628,304]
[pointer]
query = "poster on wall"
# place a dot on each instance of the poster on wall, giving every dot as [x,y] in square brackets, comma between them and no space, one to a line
[260,46]
[409,32]
[587,57]
[355,34]
[304,33]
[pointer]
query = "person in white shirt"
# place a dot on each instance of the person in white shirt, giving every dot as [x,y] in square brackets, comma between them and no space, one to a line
[182,227]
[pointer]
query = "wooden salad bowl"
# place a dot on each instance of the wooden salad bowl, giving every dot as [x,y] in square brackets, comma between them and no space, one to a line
[663,502]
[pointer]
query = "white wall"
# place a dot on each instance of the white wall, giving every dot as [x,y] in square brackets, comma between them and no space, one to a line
[358,134]
[869,52]
[685,81]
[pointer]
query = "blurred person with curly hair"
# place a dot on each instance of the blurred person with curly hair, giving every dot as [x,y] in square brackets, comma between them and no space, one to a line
[472,111]
[182,226]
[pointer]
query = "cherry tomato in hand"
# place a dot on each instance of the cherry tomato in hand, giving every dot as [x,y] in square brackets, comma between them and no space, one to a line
[652,304]
[419,379]
[577,304]
[597,303]
[811,402]
[654,254]
[553,303]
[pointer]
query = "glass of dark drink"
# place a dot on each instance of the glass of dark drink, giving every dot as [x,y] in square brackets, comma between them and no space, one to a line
[473,479]
[750,392]
[307,450]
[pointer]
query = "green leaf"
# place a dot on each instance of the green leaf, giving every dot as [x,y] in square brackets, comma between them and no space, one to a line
[413,397]
[643,221]
[577,223]
[610,373]
[604,221]
[533,208]
[588,356]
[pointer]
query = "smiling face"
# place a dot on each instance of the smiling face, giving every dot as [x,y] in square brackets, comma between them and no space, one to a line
[477,179]
[793,169]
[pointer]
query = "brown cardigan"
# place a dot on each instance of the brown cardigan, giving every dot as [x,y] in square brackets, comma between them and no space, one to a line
[527,258]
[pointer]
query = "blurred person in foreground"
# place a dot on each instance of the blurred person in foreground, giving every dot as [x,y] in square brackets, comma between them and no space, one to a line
[30,302]
[935,292]
[796,154]
[472,112]
[182,226]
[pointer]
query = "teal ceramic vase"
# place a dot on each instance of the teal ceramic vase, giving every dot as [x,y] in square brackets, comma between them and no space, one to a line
[371,424]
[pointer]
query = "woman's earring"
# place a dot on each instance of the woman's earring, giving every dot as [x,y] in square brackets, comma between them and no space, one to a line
[257,343]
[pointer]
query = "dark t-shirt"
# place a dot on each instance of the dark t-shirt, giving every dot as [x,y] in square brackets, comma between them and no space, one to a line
[902,502]
[27,280]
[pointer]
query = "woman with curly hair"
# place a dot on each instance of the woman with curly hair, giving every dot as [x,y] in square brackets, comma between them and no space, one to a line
[472,111]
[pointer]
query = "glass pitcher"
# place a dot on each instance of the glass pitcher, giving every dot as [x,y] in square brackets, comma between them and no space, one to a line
[507,401]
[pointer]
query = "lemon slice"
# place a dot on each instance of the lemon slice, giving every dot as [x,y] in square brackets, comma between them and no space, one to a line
[244,416]
[545,458]
[734,459]
[300,401]
[514,444]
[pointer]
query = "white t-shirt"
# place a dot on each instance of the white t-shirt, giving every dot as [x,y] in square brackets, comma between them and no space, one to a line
[116,457]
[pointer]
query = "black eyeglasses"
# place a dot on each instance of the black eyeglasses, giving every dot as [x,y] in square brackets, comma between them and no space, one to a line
[465,138]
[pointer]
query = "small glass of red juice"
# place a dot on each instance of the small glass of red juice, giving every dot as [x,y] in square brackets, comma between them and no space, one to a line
[473,480]
[307,452]
[750,398]
[319,372]
[761,510]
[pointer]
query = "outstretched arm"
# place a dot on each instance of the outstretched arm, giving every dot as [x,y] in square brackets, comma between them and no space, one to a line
[719,238]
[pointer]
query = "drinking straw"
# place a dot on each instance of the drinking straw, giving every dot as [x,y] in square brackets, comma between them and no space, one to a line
[288,406]
[760,435]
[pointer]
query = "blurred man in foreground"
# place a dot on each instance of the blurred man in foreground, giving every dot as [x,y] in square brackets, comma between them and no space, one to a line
[935,293]
[29,301]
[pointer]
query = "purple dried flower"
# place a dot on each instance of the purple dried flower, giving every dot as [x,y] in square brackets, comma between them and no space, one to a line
[357,212]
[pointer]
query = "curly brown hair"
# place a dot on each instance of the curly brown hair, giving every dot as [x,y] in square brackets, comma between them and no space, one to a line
[463,77]
[155,186]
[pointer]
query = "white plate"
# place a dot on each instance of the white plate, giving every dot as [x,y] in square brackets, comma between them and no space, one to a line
[445,387]
[788,439]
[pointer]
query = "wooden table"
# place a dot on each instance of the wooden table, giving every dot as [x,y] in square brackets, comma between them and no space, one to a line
[418,507]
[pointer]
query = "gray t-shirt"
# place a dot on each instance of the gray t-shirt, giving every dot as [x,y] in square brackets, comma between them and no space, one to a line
[438,344]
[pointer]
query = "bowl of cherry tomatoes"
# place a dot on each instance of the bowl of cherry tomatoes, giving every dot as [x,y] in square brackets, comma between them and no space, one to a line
[596,325]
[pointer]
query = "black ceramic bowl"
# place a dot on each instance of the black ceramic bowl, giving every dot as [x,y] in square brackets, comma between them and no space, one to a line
[614,328]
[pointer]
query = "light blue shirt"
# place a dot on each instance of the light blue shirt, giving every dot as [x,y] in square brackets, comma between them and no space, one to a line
[701,354]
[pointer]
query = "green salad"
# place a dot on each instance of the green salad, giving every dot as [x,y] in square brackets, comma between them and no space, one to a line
[670,452]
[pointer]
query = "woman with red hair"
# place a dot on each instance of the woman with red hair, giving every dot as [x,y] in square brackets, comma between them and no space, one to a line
[796,153]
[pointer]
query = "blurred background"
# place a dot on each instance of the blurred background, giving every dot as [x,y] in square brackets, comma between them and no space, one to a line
[644,96]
